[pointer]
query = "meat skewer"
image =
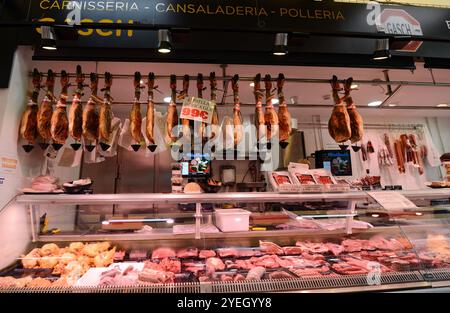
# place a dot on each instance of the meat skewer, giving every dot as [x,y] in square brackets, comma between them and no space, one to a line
[237,116]
[135,114]
[150,121]
[356,121]
[28,124]
[185,123]
[76,111]
[215,118]
[45,112]
[90,115]
[339,123]
[259,114]
[284,117]
[172,114]
[106,114]
[270,116]
[60,122]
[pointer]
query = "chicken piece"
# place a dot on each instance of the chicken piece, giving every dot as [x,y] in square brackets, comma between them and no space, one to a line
[28,124]
[106,115]
[105,258]
[39,282]
[339,123]
[93,249]
[67,257]
[270,115]
[284,117]
[22,282]
[76,247]
[49,249]
[48,261]
[7,282]
[31,259]
[44,114]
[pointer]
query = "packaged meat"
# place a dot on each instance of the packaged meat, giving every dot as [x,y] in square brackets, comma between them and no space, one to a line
[278,179]
[256,273]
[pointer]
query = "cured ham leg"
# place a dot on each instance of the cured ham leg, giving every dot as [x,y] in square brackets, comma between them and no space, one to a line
[356,121]
[237,116]
[202,126]
[28,124]
[284,117]
[270,116]
[185,123]
[150,121]
[135,114]
[215,118]
[172,113]
[45,112]
[76,111]
[106,115]
[259,114]
[60,122]
[339,123]
[90,115]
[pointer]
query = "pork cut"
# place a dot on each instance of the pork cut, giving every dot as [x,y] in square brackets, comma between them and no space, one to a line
[60,122]
[106,115]
[187,253]
[76,109]
[237,115]
[161,253]
[45,112]
[28,123]
[270,115]
[204,254]
[284,117]
[339,123]
[256,273]
[90,113]
[259,114]
[172,113]
[150,120]
[270,247]
[135,113]
[356,121]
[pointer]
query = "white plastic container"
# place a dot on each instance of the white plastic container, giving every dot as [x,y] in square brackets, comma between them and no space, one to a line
[231,220]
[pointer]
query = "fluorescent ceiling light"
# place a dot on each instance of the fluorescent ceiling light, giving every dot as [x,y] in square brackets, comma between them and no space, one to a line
[442,105]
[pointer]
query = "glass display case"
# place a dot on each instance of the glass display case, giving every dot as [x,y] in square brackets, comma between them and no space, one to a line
[232,242]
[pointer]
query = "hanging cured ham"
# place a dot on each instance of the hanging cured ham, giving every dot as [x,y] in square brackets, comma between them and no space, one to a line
[135,114]
[185,123]
[339,123]
[90,115]
[106,115]
[270,115]
[259,114]
[215,117]
[202,126]
[356,121]
[60,122]
[45,112]
[237,115]
[76,111]
[150,120]
[172,113]
[284,117]
[28,125]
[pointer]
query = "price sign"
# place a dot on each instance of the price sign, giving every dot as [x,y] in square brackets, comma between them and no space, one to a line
[392,200]
[197,109]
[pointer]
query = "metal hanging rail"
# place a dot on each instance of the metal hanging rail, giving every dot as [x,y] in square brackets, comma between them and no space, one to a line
[383,126]
[292,79]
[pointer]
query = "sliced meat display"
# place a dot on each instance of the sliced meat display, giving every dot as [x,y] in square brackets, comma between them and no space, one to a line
[270,247]
[299,262]
[256,273]
[187,253]
[204,254]
[161,253]
[381,243]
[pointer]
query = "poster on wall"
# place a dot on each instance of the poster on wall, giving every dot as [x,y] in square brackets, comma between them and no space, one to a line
[8,177]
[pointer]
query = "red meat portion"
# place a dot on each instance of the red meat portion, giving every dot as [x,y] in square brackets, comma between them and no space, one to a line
[162,253]
[187,253]
[204,254]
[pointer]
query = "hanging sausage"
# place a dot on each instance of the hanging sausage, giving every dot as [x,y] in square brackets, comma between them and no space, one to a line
[60,122]
[45,112]
[90,116]
[28,124]
[339,123]
[284,117]
[76,112]
[172,113]
[150,120]
[135,114]
[259,114]
[270,115]
[237,115]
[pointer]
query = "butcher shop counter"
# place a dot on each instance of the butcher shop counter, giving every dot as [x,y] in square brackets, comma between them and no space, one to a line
[408,251]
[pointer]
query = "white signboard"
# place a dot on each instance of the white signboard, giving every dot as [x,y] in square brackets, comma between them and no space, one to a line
[392,200]
[197,109]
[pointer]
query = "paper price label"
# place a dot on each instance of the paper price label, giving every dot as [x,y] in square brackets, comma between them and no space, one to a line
[197,109]
[392,201]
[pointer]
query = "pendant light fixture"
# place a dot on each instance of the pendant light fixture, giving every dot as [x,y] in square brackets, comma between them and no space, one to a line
[164,41]
[281,44]
[48,38]
[381,50]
